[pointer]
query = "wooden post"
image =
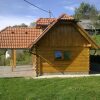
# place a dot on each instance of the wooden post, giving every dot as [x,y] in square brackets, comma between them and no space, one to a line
[13,59]
[40,66]
[37,64]
[34,62]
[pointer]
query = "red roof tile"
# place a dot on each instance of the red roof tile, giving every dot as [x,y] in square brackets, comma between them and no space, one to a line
[18,37]
[45,21]
[66,17]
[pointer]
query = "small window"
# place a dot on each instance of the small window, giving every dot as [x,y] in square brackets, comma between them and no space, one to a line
[58,55]
[67,55]
[62,55]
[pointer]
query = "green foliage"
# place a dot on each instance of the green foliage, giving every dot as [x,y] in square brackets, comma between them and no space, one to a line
[21,25]
[2,57]
[86,88]
[2,51]
[2,60]
[24,58]
[86,11]
[89,12]
[96,38]
[32,24]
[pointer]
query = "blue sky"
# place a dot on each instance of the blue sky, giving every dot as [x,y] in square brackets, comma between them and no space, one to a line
[17,11]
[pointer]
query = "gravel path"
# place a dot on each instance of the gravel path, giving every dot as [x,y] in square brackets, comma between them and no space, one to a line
[27,71]
[19,71]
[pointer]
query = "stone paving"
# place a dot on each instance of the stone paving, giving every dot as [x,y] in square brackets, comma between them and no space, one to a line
[19,71]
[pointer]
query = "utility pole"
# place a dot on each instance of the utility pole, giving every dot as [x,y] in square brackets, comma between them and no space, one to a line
[49,13]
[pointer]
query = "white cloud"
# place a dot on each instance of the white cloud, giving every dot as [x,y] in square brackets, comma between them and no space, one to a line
[69,8]
[66,2]
[30,17]
[13,20]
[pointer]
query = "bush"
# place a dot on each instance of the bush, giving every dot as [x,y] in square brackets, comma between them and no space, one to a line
[24,58]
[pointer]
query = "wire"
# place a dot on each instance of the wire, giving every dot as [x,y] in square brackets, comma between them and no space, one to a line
[49,12]
[38,7]
[52,14]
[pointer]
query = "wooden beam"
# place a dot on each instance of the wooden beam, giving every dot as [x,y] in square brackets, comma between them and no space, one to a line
[37,64]
[40,73]
[87,45]
[33,61]
[13,59]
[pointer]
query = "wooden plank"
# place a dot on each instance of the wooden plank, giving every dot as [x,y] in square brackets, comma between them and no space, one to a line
[63,35]
[82,60]
[66,69]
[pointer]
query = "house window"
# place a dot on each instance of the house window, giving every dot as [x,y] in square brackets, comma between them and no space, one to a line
[62,55]
[67,55]
[58,55]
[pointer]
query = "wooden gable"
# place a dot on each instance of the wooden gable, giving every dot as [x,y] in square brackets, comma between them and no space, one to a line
[63,35]
[65,32]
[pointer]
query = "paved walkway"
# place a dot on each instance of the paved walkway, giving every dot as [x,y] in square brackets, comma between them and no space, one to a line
[19,71]
[66,76]
[27,71]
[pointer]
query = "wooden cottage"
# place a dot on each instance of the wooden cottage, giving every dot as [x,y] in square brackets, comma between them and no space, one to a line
[63,47]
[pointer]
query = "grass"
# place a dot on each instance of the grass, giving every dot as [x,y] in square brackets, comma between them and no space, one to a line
[96,39]
[87,88]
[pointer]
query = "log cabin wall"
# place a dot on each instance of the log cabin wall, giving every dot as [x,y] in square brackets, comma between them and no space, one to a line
[63,36]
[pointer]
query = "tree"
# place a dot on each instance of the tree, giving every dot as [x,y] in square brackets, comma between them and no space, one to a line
[21,25]
[89,12]
[32,24]
[86,11]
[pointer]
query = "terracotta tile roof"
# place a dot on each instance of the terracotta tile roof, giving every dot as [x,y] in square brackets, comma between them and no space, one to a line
[66,17]
[45,21]
[18,37]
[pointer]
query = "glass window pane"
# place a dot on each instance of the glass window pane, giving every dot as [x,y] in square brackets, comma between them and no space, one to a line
[67,55]
[58,55]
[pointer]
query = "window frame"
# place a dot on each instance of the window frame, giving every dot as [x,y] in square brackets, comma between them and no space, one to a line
[62,58]
[55,56]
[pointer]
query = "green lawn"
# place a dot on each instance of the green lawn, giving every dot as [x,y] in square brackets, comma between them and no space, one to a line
[96,39]
[87,88]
